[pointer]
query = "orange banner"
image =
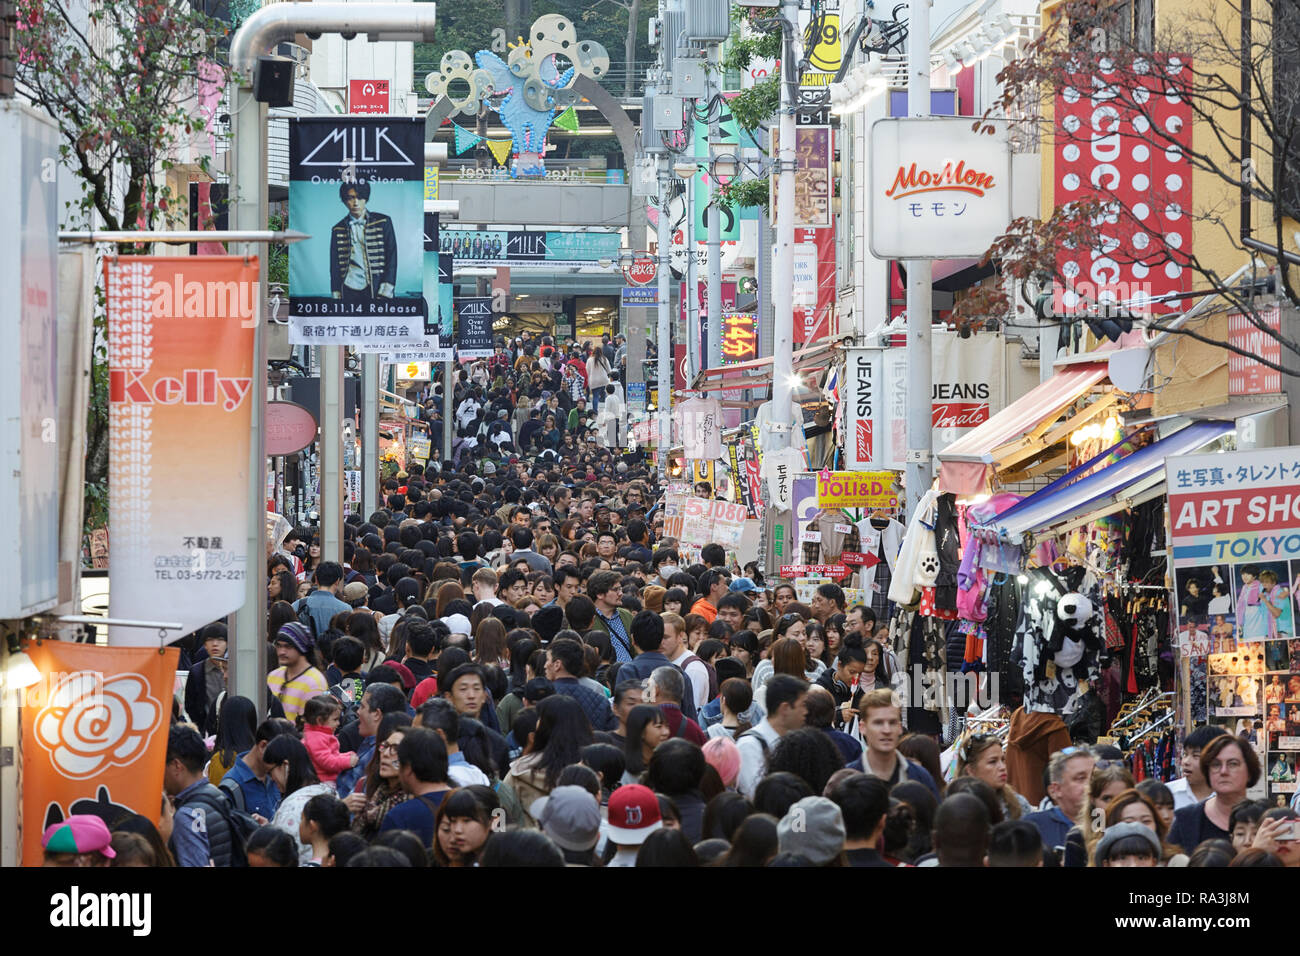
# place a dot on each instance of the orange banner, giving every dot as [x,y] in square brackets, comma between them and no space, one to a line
[180,374]
[94,734]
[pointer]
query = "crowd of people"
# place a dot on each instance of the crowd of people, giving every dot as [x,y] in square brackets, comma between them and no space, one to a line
[515,665]
[534,399]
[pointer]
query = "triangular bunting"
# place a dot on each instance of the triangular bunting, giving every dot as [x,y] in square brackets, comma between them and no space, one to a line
[465,139]
[500,149]
[568,120]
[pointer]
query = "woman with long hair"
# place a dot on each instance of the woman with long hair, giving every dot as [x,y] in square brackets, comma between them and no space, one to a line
[1106,784]
[363,626]
[569,529]
[293,773]
[562,731]
[646,730]
[1132,806]
[490,644]
[383,789]
[281,585]
[982,756]
[236,734]
[280,614]
[834,635]
[548,547]
[447,592]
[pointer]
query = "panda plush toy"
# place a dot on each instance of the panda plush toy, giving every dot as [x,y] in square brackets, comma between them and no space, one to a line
[1074,637]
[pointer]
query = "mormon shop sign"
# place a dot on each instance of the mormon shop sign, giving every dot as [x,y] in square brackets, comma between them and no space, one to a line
[939,190]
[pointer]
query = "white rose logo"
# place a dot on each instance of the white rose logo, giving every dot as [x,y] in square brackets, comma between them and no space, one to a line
[90,726]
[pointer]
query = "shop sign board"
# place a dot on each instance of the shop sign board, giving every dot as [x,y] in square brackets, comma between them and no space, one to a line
[939,190]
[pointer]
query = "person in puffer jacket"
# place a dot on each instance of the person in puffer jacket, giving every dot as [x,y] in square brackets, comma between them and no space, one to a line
[320,720]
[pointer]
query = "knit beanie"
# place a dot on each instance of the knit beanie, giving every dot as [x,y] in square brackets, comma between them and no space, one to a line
[298,635]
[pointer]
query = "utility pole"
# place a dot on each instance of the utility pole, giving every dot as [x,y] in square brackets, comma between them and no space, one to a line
[783,266]
[663,340]
[369,435]
[714,214]
[260,31]
[920,427]
[692,297]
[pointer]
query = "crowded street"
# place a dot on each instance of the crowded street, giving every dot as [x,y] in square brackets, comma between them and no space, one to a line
[538,446]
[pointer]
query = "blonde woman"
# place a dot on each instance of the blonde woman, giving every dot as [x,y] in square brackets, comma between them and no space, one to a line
[981,756]
[1107,783]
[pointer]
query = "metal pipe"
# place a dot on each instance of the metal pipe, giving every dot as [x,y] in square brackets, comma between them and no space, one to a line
[332,413]
[248,214]
[210,235]
[714,212]
[118,622]
[780,422]
[281,22]
[663,338]
[369,434]
[920,424]
[693,364]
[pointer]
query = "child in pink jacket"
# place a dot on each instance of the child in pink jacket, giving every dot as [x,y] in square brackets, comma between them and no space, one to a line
[320,718]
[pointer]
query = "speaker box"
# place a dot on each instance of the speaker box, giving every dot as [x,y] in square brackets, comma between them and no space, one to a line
[273,80]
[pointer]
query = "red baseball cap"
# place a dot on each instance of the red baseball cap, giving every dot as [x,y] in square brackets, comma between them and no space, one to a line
[633,815]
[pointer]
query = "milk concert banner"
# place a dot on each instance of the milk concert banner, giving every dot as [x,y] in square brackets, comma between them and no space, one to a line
[473,328]
[356,187]
[180,369]
[94,734]
[437,342]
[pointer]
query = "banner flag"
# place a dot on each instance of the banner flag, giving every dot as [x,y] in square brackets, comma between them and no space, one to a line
[180,371]
[94,733]
[500,150]
[568,120]
[356,188]
[465,139]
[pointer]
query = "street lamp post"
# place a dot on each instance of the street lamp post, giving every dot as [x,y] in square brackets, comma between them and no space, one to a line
[780,421]
[262,30]
[663,340]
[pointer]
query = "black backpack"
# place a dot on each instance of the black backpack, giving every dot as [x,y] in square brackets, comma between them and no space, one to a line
[305,618]
[240,823]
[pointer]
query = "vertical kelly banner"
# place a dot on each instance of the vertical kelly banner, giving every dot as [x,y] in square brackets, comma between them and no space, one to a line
[180,367]
[356,187]
[474,328]
[94,733]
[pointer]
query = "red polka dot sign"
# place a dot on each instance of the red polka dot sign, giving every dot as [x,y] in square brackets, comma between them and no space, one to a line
[1122,134]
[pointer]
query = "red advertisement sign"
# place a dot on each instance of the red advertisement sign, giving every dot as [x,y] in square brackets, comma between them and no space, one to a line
[812,323]
[1136,157]
[642,271]
[368,96]
[809,570]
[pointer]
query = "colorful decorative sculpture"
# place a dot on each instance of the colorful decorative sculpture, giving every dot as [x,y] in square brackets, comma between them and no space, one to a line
[528,88]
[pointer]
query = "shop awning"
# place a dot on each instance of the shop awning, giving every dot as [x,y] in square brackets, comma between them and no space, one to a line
[1021,431]
[757,373]
[1119,484]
